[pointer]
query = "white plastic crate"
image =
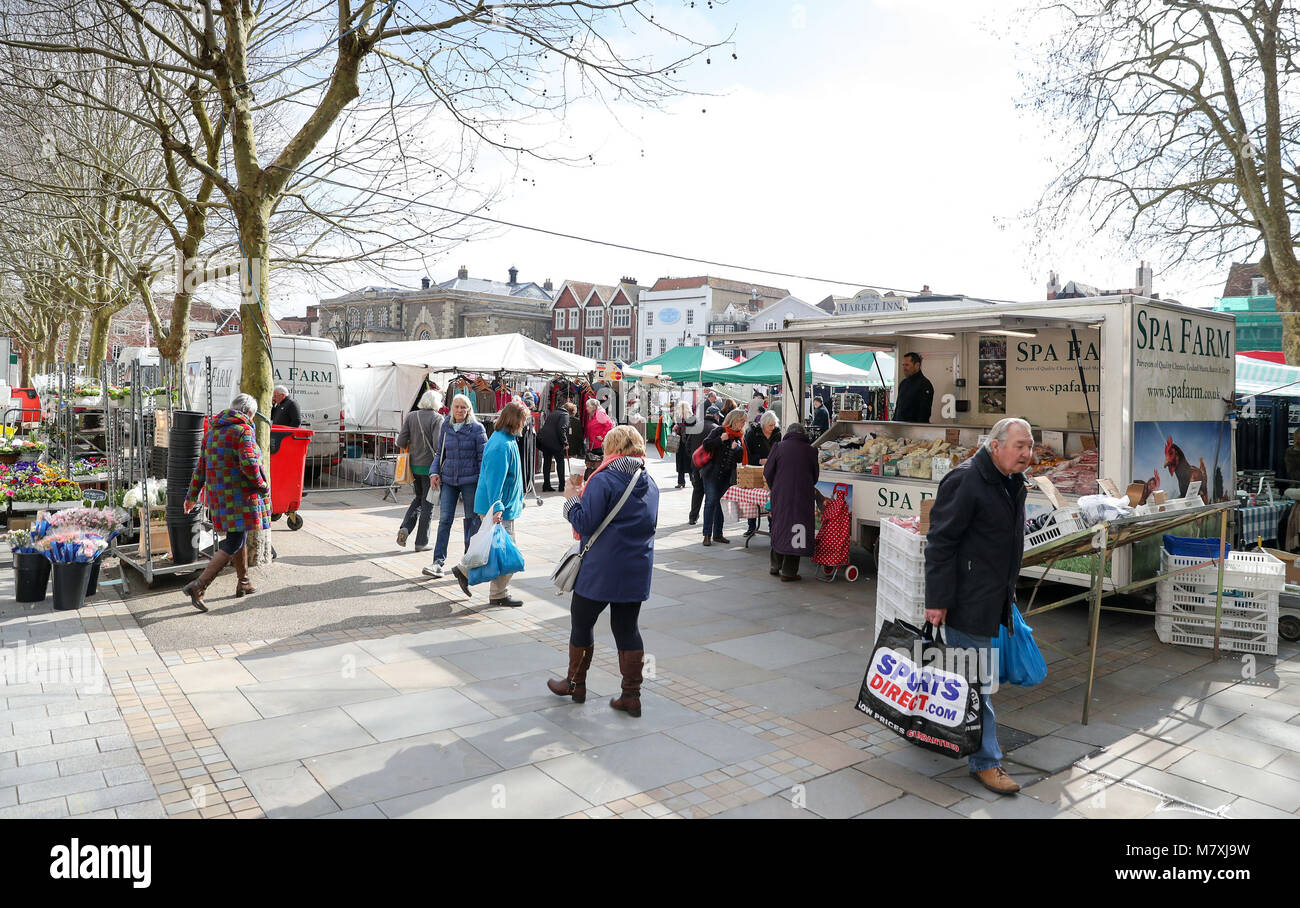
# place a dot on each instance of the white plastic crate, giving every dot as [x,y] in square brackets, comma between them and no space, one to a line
[1260,644]
[903,540]
[902,604]
[909,585]
[1173,596]
[1064,522]
[1173,504]
[898,560]
[1204,624]
[1241,570]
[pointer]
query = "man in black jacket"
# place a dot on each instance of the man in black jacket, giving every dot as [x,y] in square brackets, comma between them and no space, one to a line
[915,393]
[821,418]
[972,560]
[284,412]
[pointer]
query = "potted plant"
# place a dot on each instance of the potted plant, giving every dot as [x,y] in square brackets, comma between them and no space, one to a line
[72,555]
[31,568]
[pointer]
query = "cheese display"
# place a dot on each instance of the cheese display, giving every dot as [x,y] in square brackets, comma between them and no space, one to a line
[889,456]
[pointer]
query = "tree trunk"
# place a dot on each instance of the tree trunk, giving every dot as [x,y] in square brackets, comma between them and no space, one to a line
[176,342]
[25,358]
[52,345]
[99,323]
[1288,304]
[74,336]
[256,376]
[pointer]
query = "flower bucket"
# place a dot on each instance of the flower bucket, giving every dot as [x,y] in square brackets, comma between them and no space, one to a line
[70,579]
[31,576]
[92,582]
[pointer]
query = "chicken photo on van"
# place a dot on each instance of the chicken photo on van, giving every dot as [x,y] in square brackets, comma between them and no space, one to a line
[308,368]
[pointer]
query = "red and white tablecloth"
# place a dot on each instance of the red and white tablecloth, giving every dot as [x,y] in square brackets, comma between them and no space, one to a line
[748,501]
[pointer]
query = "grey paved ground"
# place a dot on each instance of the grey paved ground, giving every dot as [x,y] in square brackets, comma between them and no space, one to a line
[351,686]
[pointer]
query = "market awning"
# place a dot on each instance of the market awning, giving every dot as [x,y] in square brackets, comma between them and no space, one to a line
[1260,377]
[765,369]
[490,353]
[684,363]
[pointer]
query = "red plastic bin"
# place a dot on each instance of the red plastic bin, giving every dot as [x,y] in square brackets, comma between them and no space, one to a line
[28,402]
[287,467]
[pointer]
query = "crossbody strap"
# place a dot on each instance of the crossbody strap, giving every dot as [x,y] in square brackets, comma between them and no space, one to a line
[627,493]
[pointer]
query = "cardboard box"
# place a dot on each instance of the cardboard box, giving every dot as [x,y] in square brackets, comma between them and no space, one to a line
[926,507]
[159,542]
[1288,559]
[1159,496]
[750,478]
[1135,490]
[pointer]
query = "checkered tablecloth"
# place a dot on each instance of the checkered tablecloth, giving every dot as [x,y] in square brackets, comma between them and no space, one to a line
[1261,521]
[748,501]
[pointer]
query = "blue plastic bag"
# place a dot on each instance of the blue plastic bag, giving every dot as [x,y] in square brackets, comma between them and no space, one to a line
[504,559]
[1019,661]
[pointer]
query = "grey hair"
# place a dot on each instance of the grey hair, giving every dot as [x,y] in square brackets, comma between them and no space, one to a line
[684,409]
[280,389]
[430,400]
[470,417]
[769,418]
[1002,428]
[245,403]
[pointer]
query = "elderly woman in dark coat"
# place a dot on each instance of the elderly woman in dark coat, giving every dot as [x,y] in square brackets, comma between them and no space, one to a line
[791,474]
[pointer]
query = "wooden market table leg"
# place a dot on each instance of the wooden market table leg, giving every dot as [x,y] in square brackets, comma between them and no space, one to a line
[1094,620]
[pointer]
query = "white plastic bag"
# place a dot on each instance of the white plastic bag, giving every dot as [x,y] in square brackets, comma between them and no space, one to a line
[480,545]
[730,511]
[1096,508]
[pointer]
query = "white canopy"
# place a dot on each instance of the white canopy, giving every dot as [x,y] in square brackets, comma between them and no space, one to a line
[380,381]
[827,370]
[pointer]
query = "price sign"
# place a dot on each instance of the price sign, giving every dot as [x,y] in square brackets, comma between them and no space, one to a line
[94,495]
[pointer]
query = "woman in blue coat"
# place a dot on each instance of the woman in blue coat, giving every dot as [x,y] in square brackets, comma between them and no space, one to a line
[500,479]
[616,571]
[455,469]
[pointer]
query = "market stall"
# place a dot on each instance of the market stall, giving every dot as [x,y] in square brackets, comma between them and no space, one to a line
[1118,388]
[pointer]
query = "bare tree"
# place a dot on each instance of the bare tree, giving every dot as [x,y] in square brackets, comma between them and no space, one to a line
[1179,130]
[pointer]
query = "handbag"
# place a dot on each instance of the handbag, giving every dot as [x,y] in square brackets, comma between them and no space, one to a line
[402,472]
[433,495]
[701,457]
[565,575]
[934,704]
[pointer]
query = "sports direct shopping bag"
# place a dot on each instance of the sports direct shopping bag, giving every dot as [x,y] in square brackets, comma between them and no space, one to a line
[505,558]
[923,691]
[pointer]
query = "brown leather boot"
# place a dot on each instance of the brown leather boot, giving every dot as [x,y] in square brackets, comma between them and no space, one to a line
[575,682]
[243,586]
[629,663]
[196,588]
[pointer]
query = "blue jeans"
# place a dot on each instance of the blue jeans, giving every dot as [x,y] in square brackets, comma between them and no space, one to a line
[447,516]
[989,755]
[713,492]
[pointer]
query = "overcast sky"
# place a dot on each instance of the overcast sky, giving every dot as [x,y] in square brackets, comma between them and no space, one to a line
[863,142]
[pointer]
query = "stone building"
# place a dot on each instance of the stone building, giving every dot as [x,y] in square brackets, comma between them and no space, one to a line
[460,307]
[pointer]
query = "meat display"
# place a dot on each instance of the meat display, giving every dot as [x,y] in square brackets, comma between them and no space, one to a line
[1077,476]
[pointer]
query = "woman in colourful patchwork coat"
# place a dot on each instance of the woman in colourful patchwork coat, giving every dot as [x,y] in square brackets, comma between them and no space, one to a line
[230,468]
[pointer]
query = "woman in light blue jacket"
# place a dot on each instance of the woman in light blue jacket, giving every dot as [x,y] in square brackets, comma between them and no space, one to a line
[500,479]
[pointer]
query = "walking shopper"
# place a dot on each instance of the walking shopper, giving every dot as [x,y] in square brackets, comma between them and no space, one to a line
[693,440]
[759,441]
[791,473]
[554,442]
[422,432]
[684,422]
[455,471]
[727,446]
[500,479]
[616,570]
[972,560]
[230,468]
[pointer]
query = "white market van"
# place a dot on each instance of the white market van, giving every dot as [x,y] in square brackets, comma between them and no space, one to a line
[307,366]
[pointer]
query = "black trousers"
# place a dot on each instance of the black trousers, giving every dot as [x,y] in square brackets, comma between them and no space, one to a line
[786,564]
[583,613]
[697,495]
[558,456]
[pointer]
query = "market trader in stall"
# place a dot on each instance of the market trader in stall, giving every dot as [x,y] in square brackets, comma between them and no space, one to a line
[284,412]
[915,393]
[972,560]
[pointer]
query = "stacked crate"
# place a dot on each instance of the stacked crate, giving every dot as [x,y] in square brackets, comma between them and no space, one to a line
[900,576]
[1186,602]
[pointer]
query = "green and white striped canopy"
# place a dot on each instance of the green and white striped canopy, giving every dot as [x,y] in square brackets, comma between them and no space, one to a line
[1258,376]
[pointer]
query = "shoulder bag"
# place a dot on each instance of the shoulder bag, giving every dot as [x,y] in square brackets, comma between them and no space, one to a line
[565,575]
[434,493]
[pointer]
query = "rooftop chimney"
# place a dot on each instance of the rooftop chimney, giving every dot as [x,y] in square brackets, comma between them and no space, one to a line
[514,275]
[546,285]
[424,283]
[628,280]
[463,273]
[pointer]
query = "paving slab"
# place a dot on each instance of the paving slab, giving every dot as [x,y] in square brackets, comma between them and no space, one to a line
[773,650]
[421,673]
[722,742]
[339,660]
[517,694]
[1230,776]
[504,661]
[594,721]
[1011,808]
[408,715]
[614,771]
[378,772]
[785,696]
[1092,795]
[846,793]
[518,740]
[221,708]
[774,807]
[909,807]
[522,793]
[1051,753]
[305,693]
[210,677]
[266,742]
[288,790]
[716,670]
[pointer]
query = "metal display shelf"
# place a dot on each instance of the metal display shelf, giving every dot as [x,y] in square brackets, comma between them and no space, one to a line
[1101,541]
